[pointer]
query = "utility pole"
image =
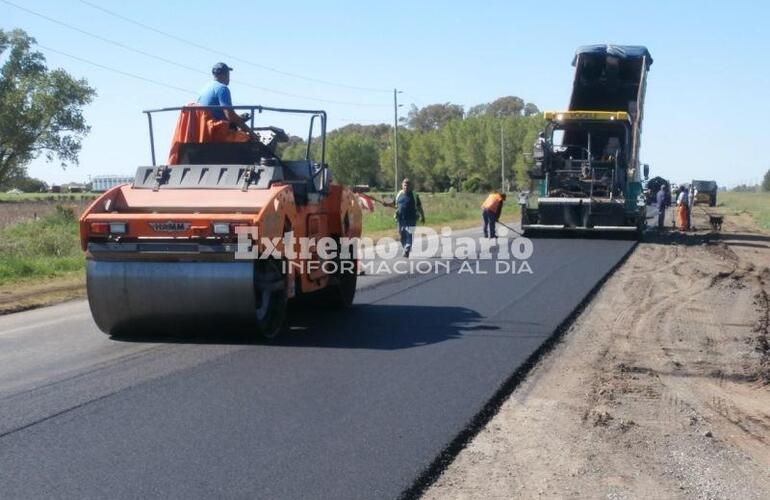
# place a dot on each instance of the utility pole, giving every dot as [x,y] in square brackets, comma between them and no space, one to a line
[395,138]
[502,159]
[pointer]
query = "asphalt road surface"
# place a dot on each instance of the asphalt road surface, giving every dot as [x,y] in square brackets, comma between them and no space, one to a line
[350,404]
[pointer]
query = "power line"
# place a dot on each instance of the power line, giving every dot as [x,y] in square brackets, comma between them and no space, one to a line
[179,65]
[101,38]
[218,52]
[155,82]
[416,100]
[114,70]
[356,121]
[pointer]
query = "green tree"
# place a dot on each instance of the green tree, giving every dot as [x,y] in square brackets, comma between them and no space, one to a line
[23,183]
[354,157]
[506,106]
[530,109]
[469,148]
[477,110]
[446,151]
[766,181]
[294,149]
[745,188]
[428,162]
[381,133]
[40,109]
[387,175]
[433,117]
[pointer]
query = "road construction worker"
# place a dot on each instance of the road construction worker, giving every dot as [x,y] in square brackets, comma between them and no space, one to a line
[661,202]
[217,93]
[408,208]
[682,207]
[674,198]
[490,213]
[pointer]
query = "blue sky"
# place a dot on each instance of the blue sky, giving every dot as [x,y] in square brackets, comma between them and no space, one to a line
[707,89]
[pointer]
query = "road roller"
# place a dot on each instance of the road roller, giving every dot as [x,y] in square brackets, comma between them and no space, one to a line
[224,233]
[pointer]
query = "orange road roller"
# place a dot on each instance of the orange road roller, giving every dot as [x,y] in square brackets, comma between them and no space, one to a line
[225,233]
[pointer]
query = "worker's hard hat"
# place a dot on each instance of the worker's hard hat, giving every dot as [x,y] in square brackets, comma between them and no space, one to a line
[220,68]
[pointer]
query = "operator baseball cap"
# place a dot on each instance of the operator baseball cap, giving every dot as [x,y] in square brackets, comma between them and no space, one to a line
[220,67]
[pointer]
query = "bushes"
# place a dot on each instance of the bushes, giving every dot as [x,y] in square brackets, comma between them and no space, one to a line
[475,184]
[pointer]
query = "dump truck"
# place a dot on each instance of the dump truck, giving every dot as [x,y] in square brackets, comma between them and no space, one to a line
[212,236]
[705,192]
[586,173]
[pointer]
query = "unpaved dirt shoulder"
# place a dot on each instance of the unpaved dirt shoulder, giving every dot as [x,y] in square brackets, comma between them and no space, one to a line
[661,388]
[16,297]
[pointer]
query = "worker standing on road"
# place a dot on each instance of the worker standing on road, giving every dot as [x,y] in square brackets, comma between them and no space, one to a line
[682,207]
[661,201]
[217,93]
[408,207]
[490,213]
[674,198]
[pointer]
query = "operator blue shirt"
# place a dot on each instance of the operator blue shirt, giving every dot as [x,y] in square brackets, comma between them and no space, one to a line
[408,205]
[216,94]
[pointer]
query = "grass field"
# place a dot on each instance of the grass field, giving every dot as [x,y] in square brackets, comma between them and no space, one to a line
[57,197]
[441,209]
[755,204]
[46,247]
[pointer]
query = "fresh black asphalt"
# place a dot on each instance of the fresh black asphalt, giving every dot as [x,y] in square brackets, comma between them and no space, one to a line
[350,404]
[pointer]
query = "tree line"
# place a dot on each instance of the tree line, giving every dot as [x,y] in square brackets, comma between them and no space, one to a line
[440,147]
[751,188]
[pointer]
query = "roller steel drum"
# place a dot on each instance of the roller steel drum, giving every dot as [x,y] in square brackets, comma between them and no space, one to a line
[126,296]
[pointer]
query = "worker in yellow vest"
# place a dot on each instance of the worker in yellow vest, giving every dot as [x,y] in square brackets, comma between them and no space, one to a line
[490,213]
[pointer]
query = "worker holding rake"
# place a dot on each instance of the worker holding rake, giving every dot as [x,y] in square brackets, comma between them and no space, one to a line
[490,213]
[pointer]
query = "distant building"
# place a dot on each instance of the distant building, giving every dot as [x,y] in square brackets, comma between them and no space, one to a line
[102,183]
[73,187]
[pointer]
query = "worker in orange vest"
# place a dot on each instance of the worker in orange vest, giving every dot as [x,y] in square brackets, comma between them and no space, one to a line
[490,213]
